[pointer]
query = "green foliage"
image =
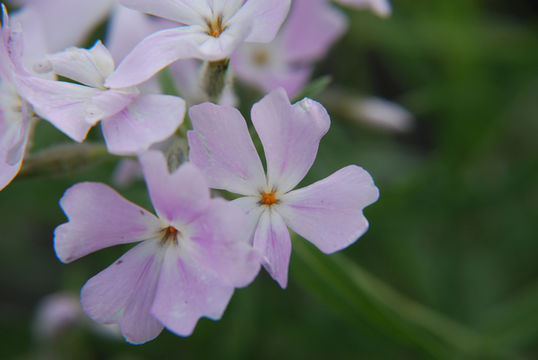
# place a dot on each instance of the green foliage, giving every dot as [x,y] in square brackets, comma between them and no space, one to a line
[448,268]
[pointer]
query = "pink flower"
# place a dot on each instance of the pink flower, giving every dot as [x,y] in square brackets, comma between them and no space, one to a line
[209,30]
[131,121]
[327,213]
[15,112]
[308,33]
[68,22]
[187,264]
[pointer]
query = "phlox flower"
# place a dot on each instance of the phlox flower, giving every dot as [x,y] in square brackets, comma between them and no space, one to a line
[15,112]
[190,257]
[327,213]
[208,30]
[130,121]
[68,22]
[310,30]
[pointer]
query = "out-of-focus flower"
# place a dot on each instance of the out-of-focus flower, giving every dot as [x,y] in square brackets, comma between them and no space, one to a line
[55,314]
[60,312]
[308,33]
[210,30]
[68,22]
[131,121]
[187,264]
[15,112]
[327,213]
[381,8]
[369,110]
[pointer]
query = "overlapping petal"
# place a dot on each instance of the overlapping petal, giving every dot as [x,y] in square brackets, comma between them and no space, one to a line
[221,147]
[290,135]
[265,17]
[87,66]
[311,28]
[220,244]
[154,53]
[188,12]
[147,120]
[124,292]
[68,22]
[328,213]
[186,292]
[272,239]
[14,130]
[179,197]
[65,105]
[118,221]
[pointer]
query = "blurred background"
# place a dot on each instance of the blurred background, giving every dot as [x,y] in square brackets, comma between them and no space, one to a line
[448,268]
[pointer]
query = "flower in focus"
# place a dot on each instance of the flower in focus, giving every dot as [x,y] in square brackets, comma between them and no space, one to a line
[209,30]
[327,213]
[131,121]
[311,28]
[187,264]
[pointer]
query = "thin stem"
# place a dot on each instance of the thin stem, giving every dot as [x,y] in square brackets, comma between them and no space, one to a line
[214,78]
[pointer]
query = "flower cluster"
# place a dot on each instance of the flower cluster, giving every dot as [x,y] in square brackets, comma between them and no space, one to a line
[197,249]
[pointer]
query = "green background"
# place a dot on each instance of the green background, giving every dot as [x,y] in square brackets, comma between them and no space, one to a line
[448,267]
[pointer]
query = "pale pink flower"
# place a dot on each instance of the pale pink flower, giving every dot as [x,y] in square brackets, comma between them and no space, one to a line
[15,112]
[187,264]
[130,121]
[208,30]
[310,30]
[327,213]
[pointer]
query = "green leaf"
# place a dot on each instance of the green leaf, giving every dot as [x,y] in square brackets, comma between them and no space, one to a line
[360,296]
[314,88]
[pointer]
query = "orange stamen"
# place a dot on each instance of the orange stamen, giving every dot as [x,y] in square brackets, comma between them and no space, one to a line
[170,234]
[268,198]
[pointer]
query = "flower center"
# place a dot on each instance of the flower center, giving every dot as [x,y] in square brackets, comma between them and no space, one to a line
[215,26]
[268,198]
[170,235]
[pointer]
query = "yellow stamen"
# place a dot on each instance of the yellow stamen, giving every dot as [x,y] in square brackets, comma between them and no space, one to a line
[215,27]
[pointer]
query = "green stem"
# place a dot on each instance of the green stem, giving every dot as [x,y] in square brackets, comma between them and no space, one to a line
[214,78]
[64,159]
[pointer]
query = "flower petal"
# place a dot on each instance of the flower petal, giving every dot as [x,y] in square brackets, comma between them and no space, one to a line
[264,16]
[187,292]
[221,147]
[290,135]
[220,244]
[179,197]
[328,213]
[272,239]
[65,105]
[311,28]
[124,292]
[187,12]
[252,208]
[68,22]
[147,120]
[89,67]
[14,130]
[98,218]
[154,53]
